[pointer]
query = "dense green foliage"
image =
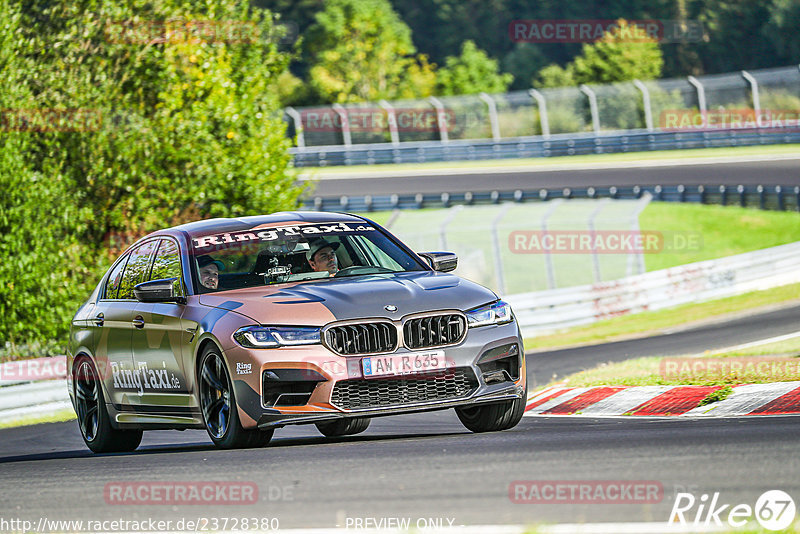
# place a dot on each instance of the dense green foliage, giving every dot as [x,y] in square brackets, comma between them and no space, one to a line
[612,58]
[470,73]
[360,50]
[739,34]
[121,119]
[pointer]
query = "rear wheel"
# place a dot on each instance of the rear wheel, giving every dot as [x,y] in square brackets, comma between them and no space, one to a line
[344,427]
[93,420]
[218,405]
[493,417]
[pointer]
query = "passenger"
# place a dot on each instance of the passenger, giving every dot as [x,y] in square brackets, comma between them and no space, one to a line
[322,256]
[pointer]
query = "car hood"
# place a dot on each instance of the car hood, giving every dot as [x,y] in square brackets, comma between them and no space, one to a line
[318,303]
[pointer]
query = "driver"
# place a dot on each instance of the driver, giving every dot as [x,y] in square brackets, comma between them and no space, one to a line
[321,256]
[209,269]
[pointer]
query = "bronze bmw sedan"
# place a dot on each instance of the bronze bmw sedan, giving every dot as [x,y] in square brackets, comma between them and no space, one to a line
[241,326]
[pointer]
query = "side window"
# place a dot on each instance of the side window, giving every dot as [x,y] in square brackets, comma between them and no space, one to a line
[114,279]
[167,263]
[137,269]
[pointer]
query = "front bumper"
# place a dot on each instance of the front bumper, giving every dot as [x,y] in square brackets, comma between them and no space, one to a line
[329,369]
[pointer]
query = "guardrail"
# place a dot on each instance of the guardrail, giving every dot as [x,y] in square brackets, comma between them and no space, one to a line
[33,387]
[547,311]
[781,198]
[535,146]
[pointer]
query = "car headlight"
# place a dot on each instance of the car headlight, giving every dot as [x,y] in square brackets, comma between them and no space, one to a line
[496,313]
[269,337]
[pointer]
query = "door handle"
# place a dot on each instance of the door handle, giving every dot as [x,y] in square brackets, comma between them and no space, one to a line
[138,321]
[99,319]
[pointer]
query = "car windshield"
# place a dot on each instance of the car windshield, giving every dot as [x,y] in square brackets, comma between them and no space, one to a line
[294,253]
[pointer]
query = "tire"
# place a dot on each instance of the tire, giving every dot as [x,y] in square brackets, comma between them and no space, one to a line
[344,427]
[218,405]
[93,420]
[493,417]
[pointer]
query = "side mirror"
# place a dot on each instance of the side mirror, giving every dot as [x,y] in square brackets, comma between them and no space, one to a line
[441,261]
[158,291]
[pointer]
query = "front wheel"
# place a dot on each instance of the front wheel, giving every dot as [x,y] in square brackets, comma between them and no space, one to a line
[93,420]
[218,405]
[493,417]
[344,427]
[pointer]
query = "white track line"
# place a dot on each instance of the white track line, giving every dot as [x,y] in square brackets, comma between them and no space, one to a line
[445,171]
[766,341]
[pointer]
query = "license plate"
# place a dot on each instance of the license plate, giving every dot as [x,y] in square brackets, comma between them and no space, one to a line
[403,364]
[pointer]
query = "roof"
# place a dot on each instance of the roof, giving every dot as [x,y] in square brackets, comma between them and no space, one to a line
[238,224]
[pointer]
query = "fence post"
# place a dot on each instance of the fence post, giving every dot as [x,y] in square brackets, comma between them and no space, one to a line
[598,277]
[585,89]
[298,125]
[441,120]
[495,125]
[701,95]
[391,119]
[498,258]
[447,220]
[648,111]
[339,109]
[548,258]
[544,121]
[756,99]
[634,258]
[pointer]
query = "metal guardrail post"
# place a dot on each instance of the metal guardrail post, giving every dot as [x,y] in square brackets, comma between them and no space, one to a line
[756,98]
[339,109]
[391,119]
[701,94]
[598,277]
[544,121]
[494,124]
[441,119]
[498,258]
[648,111]
[585,89]
[298,125]
[548,258]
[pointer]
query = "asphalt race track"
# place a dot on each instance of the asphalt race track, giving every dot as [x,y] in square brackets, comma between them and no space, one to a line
[426,466]
[777,172]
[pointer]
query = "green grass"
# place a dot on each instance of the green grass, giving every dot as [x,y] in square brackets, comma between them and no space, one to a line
[722,231]
[57,417]
[650,370]
[652,322]
[562,160]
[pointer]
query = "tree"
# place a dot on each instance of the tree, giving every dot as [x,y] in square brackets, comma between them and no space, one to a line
[120,120]
[471,72]
[622,54]
[360,50]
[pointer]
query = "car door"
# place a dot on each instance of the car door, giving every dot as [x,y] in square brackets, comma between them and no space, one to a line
[158,341]
[114,324]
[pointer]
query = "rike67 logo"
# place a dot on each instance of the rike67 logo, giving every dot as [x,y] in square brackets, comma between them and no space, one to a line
[774,510]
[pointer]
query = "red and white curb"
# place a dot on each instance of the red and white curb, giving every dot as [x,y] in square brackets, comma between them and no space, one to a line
[749,399]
